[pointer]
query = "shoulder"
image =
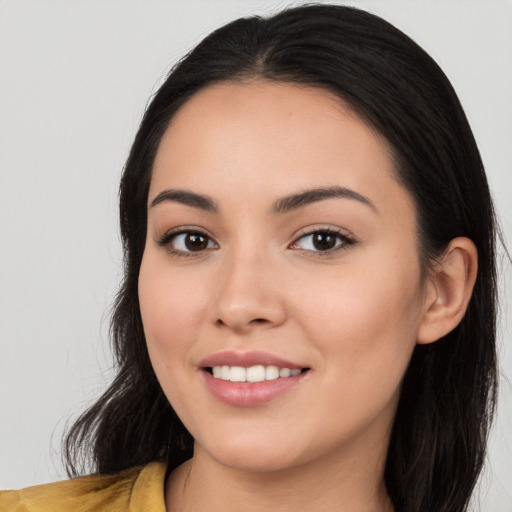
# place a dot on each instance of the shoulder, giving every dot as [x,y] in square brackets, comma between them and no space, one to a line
[140,488]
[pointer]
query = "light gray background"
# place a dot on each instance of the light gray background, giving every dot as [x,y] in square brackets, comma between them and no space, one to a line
[75,77]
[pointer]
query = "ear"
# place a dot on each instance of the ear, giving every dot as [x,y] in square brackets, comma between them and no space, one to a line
[449,288]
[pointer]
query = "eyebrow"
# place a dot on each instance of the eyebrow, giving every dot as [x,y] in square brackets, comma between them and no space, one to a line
[297,201]
[187,198]
[284,205]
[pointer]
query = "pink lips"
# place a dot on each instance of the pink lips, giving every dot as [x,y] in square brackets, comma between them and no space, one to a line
[247,394]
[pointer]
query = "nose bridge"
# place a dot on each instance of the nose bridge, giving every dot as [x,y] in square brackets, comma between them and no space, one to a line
[248,292]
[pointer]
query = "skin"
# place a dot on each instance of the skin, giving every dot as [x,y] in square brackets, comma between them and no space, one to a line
[353,315]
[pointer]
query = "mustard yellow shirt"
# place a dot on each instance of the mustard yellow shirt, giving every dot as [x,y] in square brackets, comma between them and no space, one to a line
[139,489]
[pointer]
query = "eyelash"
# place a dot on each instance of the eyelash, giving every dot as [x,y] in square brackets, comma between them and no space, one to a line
[345,241]
[168,238]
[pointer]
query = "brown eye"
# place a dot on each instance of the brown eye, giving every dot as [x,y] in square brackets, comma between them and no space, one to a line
[322,241]
[195,241]
[186,242]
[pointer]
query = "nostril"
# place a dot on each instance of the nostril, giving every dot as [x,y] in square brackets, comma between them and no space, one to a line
[222,323]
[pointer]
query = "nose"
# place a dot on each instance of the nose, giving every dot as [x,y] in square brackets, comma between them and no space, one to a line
[248,295]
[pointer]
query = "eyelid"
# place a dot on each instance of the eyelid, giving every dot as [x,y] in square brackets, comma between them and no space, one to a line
[346,238]
[169,235]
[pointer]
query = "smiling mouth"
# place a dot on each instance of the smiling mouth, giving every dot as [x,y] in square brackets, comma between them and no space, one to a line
[257,373]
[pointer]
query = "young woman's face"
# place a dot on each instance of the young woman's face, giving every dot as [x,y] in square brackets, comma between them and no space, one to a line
[279,239]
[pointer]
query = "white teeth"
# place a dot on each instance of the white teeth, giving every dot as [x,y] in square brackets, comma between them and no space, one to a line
[271,373]
[224,372]
[257,373]
[284,372]
[237,374]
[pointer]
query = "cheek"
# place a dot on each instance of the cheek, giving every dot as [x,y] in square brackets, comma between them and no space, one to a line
[365,322]
[171,310]
[361,302]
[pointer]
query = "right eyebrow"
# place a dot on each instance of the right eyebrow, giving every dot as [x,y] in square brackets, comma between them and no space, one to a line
[307,197]
[187,198]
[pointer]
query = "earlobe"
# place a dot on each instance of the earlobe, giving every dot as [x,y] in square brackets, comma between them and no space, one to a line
[449,290]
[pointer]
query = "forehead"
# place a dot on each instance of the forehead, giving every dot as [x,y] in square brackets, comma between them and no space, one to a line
[229,111]
[271,137]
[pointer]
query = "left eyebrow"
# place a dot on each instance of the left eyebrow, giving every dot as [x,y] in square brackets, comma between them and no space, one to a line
[297,201]
[187,198]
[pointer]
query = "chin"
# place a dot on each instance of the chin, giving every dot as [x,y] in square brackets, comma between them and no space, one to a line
[255,462]
[251,454]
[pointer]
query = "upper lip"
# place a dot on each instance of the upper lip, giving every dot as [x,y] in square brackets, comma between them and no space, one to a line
[247,359]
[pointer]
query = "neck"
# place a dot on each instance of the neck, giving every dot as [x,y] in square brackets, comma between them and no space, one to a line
[352,483]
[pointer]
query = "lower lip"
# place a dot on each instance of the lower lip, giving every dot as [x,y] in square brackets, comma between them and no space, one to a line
[249,394]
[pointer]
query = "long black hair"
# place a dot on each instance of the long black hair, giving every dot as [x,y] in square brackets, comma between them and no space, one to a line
[440,431]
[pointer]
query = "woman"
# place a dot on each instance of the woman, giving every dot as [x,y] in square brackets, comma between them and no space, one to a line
[307,315]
